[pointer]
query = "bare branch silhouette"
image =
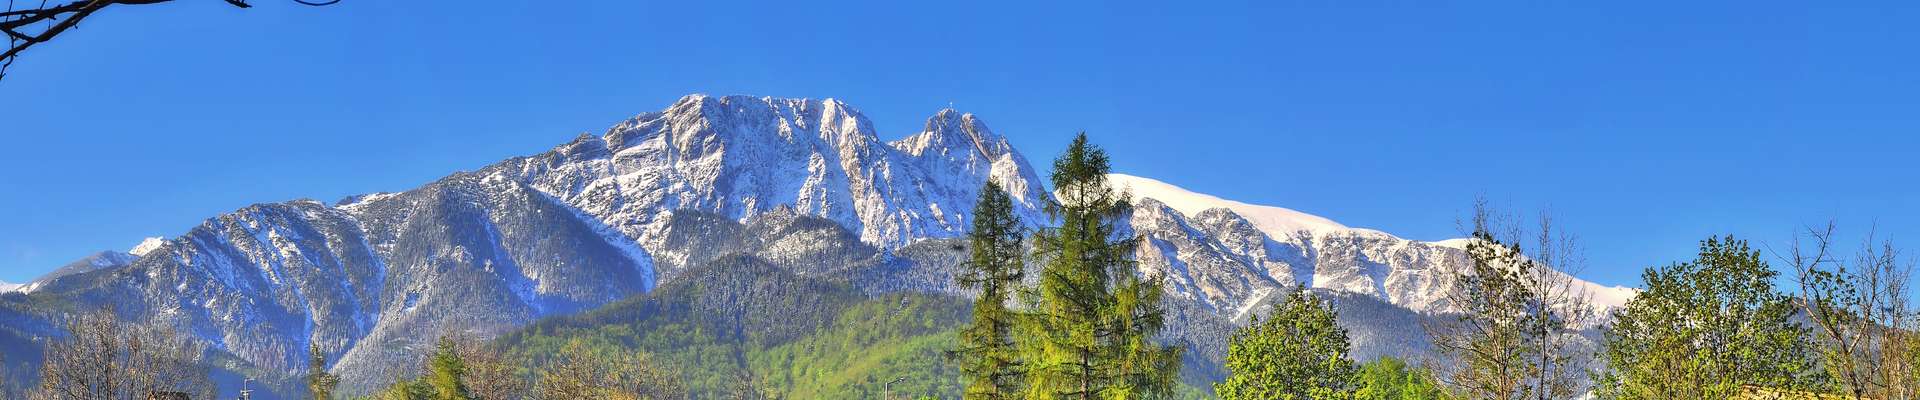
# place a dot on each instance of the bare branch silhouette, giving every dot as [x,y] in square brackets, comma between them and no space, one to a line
[26,27]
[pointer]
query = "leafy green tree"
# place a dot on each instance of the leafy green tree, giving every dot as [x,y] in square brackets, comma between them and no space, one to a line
[987,353]
[446,372]
[1390,378]
[406,390]
[1298,353]
[1093,315]
[1706,328]
[320,384]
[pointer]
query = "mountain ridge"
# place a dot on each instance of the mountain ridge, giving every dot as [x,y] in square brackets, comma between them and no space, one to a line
[806,184]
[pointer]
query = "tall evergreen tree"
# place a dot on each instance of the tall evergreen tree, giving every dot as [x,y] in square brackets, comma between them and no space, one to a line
[445,372]
[1707,328]
[1298,353]
[320,384]
[987,352]
[1093,315]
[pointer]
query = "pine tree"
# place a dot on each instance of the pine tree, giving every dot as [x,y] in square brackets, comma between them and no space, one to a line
[1093,316]
[1707,329]
[987,353]
[319,383]
[1298,353]
[445,372]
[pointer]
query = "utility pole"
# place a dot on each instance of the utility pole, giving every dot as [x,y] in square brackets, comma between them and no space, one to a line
[886,391]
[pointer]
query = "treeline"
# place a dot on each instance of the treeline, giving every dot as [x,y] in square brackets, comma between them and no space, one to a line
[1714,327]
[466,370]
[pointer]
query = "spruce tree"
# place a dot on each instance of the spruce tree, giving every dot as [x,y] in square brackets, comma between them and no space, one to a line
[445,372]
[1708,329]
[1298,353]
[987,353]
[1093,316]
[320,384]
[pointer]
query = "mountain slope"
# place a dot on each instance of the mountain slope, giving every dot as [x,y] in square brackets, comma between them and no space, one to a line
[374,278]
[804,187]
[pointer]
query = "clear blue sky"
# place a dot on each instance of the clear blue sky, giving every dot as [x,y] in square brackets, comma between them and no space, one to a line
[1643,126]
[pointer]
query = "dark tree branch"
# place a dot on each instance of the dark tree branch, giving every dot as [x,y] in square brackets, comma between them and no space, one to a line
[18,23]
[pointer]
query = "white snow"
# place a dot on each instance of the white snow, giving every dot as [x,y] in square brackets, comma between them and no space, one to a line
[147,245]
[1457,243]
[6,287]
[1274,221]
[1605,298]
[1259,295]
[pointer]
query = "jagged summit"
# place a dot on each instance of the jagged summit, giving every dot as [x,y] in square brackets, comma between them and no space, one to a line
[952,131]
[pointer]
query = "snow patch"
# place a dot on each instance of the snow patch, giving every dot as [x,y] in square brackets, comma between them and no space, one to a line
[1254,300]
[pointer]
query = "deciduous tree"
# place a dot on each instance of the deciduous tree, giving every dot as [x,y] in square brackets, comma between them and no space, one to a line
[1705,329]
[103,357]
[1298,353]
[1861,311]
[1512,334]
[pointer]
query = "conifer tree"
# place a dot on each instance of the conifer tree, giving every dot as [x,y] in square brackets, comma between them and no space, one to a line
[445,372]
[1093,315]
[319,383]
[1708,329]
[1297,353]
[987,353]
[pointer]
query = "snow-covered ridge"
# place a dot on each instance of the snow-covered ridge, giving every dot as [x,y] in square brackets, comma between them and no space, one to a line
[1232,255]
[1274,221]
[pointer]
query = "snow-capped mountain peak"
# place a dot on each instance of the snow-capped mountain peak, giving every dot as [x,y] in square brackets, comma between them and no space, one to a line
[147,245]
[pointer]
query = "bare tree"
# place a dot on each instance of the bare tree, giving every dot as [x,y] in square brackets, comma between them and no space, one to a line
[1513,332]
[579,373]
[490,375]
[28,26]
[104,358]
[1862,311]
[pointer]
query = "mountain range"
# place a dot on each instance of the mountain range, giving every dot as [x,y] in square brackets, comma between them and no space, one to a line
[673,198]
